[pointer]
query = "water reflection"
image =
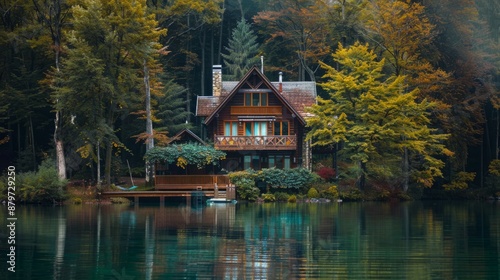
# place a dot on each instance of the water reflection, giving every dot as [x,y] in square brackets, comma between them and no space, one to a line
[416,240]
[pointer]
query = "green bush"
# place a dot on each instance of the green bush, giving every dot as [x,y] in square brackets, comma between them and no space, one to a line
[120,200]
[43,186]
[295,178]
[245,185]
[312,193]
[330,193]
[281,196]
[3,188]
[268,197]
[77,200]
[292,199]
[351,194]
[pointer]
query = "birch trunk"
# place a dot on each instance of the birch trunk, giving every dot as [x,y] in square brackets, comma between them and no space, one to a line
[60,157]
[149,123]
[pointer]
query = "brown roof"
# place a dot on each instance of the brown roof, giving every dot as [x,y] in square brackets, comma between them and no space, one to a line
[207,104]
[185,136]
[298,95]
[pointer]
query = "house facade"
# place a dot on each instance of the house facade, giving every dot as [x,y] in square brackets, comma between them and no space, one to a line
[258,123]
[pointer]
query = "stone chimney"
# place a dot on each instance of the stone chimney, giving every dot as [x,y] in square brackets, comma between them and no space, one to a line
[217,80]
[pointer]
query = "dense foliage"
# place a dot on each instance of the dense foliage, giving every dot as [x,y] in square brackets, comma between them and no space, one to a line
[184,154]
[250,183]
[41,186]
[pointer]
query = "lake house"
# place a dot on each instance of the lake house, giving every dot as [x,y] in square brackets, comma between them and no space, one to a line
[258,123]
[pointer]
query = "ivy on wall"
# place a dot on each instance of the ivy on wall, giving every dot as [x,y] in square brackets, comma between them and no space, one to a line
[185,154]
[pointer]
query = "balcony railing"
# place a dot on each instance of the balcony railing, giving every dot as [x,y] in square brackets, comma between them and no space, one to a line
[275,142]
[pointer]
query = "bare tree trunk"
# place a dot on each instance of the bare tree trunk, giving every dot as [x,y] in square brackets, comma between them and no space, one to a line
[202,45]
[109,160]
[53,15]
[98,166]
[32,142]
[406,171]
[220,35]
[149,123]
[497,148]
[60,158]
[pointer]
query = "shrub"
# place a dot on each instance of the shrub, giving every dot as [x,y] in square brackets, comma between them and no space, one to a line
[3,188]
[120,200]
[268,197]
[327,173]
[351,194]
[312,193]
[43,186]
[292,199]
[331,193]
[77,200]
[281,196]
[285,178]
[245,185]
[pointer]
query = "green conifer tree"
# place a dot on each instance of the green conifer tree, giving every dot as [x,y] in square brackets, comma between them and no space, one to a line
[242,51]
[172,109]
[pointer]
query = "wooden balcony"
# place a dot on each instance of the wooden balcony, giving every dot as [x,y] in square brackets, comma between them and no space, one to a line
[256,110]
[236,143]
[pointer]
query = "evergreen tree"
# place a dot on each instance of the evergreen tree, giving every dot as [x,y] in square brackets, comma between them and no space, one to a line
[243,49]
[376,122]
[172,109]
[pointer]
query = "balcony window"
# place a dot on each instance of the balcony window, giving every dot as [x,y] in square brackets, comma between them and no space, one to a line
[281,128]
[230,128]
[255,128]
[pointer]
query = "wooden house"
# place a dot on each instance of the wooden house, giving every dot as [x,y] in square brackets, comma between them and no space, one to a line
[258,123]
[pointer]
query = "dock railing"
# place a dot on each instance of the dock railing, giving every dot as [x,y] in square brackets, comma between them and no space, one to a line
[191,182]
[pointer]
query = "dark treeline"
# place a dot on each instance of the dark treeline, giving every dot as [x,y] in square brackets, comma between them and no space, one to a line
[90,84]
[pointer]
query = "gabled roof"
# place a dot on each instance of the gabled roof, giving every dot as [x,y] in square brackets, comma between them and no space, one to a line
[296,96]
[185,136]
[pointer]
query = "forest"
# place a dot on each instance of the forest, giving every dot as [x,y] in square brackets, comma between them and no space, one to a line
[92,84]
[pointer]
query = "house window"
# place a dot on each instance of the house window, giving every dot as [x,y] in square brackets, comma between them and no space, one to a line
[256,99]
[281,128]
[251,161]
[255,128]
[279,161]
[230,128]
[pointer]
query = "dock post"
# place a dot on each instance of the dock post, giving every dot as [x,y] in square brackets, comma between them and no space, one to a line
[136,200]
[162,200]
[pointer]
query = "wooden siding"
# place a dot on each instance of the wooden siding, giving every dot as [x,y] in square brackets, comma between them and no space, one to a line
[256,110]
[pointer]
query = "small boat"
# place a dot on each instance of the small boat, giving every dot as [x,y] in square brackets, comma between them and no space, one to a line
[220,200]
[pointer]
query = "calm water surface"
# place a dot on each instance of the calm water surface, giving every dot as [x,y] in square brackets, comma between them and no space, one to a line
[414,240]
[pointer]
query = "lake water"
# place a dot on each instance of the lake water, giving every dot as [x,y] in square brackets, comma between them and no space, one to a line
[410,240]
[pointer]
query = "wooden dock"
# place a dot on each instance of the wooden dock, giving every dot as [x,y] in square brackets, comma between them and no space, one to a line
[209,186]
[136,195]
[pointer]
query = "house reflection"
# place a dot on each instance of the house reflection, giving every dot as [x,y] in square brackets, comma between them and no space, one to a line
[221,247]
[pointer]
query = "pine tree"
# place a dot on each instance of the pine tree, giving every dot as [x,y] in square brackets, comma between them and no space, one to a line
[172,109]
[376,121]
[242,51]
